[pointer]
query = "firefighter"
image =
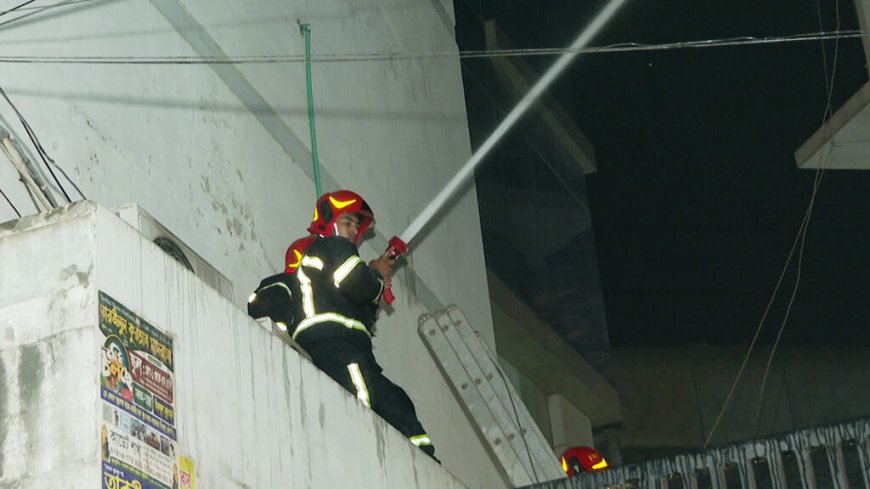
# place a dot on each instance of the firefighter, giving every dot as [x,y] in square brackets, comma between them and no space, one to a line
[336,309]
[273,297]
[295,251]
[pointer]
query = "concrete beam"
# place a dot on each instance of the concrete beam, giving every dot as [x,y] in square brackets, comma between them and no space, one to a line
[553,365]
[843,142]
[247,410]
[518,78]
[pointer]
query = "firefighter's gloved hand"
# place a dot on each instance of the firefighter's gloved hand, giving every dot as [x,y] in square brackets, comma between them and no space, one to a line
[383,265]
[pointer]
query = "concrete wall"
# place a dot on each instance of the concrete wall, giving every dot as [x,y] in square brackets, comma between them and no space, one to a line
[48,357]
[250,412]
[570,426]
[541,363]
[220,155]
[672,396]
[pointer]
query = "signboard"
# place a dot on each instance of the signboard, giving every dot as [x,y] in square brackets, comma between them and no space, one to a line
[186,473]
[137,392]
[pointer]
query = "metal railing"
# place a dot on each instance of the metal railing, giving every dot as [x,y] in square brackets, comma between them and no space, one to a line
[827,457]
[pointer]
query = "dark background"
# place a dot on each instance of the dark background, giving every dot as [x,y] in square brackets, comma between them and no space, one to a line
[697,198]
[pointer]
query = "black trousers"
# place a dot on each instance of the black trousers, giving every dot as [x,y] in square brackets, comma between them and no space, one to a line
[355,368]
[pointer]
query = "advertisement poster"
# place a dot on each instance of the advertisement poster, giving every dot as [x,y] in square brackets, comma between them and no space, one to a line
[187,474]
[137,389]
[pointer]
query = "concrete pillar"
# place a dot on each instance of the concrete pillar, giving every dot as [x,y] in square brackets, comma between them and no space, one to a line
[570,427]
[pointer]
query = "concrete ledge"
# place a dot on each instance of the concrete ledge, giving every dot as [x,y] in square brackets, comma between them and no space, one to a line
[249,411]
[533,347]
[842,143]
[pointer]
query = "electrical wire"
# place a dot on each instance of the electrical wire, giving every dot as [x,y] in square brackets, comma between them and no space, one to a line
[488,354]
[68,179]
[9,202]
[749,350]
[473,54]
[516,417]
[43,155]
[38,9]
[817,181]
[799,242]
[45,7]
[13,9]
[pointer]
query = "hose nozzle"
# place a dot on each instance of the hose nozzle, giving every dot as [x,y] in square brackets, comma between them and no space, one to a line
[395,249]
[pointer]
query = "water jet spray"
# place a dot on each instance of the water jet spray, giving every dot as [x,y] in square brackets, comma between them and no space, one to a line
[398,244]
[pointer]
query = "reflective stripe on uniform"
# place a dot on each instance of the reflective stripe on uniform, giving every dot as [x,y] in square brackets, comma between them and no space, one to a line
[329,317]
[344,270]
[313,262]
[362,393]
[252,297]
[418,440]
[307,294]
[380,292]
[278,284]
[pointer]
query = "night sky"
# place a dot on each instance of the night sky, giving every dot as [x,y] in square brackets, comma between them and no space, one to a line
[697,198]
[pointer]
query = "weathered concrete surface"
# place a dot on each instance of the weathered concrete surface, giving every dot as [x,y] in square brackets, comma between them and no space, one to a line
[219,153]
[250,412]
[672,396]
[47,353]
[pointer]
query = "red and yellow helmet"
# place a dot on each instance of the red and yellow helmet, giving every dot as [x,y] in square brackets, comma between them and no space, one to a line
[295,251]
[332,205]
[578,460]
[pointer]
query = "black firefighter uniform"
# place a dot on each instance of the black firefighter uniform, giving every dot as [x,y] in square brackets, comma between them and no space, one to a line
[335,312]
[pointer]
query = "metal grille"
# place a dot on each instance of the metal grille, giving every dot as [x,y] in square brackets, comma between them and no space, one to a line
[829,457]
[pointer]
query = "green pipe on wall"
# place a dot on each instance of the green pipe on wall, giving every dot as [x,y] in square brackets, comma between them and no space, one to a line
[306,31]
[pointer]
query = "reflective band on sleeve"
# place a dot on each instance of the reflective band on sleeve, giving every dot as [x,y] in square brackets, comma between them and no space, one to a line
[313,262]
[419,440]
[344,270]
[362,393]
[307,294]
[278,284]
[380,292]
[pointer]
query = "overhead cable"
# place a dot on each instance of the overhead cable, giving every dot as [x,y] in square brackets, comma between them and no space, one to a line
[30,11]
[817,181]
[43,155]
[472,54]
[33,182]
[798,244]
[63,3]
[9,202]
[17,7]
